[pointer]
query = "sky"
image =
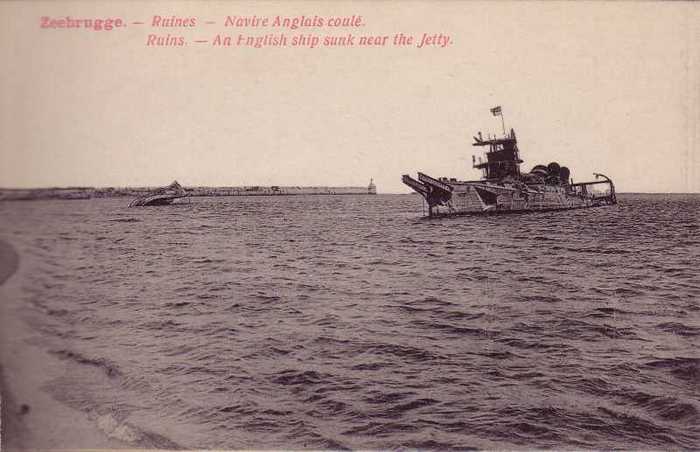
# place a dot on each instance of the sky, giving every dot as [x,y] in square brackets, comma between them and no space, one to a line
[598,87]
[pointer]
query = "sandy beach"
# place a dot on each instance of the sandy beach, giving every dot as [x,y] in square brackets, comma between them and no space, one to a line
[31,418]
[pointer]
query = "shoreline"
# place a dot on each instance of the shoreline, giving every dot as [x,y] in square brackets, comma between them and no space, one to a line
[11,427]
[9,261]
[31,418]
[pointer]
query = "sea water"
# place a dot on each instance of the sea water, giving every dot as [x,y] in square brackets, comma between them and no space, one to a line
[349,322]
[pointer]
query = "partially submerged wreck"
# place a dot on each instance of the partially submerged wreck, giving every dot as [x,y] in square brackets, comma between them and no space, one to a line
[161,196]
[504,188]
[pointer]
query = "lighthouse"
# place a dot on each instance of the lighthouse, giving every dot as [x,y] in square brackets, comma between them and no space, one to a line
[371,189]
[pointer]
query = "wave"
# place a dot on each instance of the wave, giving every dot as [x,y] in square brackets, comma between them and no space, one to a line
[109,367]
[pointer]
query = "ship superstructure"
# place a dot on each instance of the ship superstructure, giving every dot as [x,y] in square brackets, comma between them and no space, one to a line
[504,188]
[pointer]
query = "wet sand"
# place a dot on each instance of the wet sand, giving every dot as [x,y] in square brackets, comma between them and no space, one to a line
[10,424]
[9,261]
[31,418]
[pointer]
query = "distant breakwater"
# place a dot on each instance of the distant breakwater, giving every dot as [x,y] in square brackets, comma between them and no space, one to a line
[116,192]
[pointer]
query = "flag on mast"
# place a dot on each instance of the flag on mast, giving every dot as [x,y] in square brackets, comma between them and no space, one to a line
[496,111]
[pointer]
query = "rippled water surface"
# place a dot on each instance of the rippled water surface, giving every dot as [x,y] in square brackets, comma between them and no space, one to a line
[347,322]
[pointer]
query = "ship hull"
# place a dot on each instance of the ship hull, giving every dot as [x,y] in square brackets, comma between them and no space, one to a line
[160,197]
[483,198]
[438,213]
[159,200]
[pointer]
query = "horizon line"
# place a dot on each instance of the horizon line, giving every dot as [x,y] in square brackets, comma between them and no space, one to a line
[88,187]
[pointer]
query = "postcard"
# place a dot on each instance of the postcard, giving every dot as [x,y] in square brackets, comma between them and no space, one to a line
[316,225]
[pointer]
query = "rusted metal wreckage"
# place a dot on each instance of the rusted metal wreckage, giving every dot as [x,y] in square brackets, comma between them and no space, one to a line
[504,188]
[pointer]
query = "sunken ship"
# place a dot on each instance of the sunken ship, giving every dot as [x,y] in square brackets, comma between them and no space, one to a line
[504,188]
[161,196]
